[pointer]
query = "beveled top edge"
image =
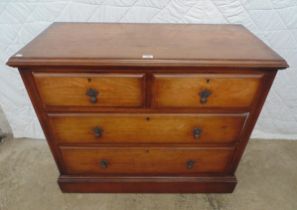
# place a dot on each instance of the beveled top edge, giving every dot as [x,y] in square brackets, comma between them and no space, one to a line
[16,62]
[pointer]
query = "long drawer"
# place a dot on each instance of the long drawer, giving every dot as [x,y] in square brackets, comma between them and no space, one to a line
[141,160]
[147,128]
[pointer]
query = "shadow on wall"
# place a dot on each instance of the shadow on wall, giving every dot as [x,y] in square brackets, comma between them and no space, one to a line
[4,125]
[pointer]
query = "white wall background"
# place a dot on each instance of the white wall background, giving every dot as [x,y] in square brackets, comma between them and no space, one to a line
[274,21]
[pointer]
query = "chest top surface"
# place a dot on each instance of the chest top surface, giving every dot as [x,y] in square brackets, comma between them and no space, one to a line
[89,44]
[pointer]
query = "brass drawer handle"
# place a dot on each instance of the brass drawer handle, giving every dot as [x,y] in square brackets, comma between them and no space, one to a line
[97,131]
[190,164]
[104,164]
[92,93]
[204,94]
[197,133]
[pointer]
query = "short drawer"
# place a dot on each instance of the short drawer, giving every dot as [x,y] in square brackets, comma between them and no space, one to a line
[102,90]
[204,90]
[147,128]
[127,160]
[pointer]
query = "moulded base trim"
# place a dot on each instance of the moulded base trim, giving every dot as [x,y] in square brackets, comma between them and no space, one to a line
[75,184]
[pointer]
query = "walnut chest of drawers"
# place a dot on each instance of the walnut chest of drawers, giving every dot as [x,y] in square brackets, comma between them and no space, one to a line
[147,107]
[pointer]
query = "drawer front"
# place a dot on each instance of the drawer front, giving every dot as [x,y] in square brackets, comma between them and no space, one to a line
[102,90]
[147,128]
[145,160]
[204,90]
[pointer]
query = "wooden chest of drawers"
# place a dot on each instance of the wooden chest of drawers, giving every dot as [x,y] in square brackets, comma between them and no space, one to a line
[147,107]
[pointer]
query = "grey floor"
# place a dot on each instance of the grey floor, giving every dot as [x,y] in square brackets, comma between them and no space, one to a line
[267,180]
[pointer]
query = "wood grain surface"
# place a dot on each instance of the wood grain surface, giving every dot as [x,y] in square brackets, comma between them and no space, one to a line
[183,90]
[147,128]
[85,44]
[145,160]
[125,90]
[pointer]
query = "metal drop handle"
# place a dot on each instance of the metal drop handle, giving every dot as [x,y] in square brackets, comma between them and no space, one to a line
[197,133]
[204,94]
[92,93]
[190,164]
[104,164]
[97,132]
